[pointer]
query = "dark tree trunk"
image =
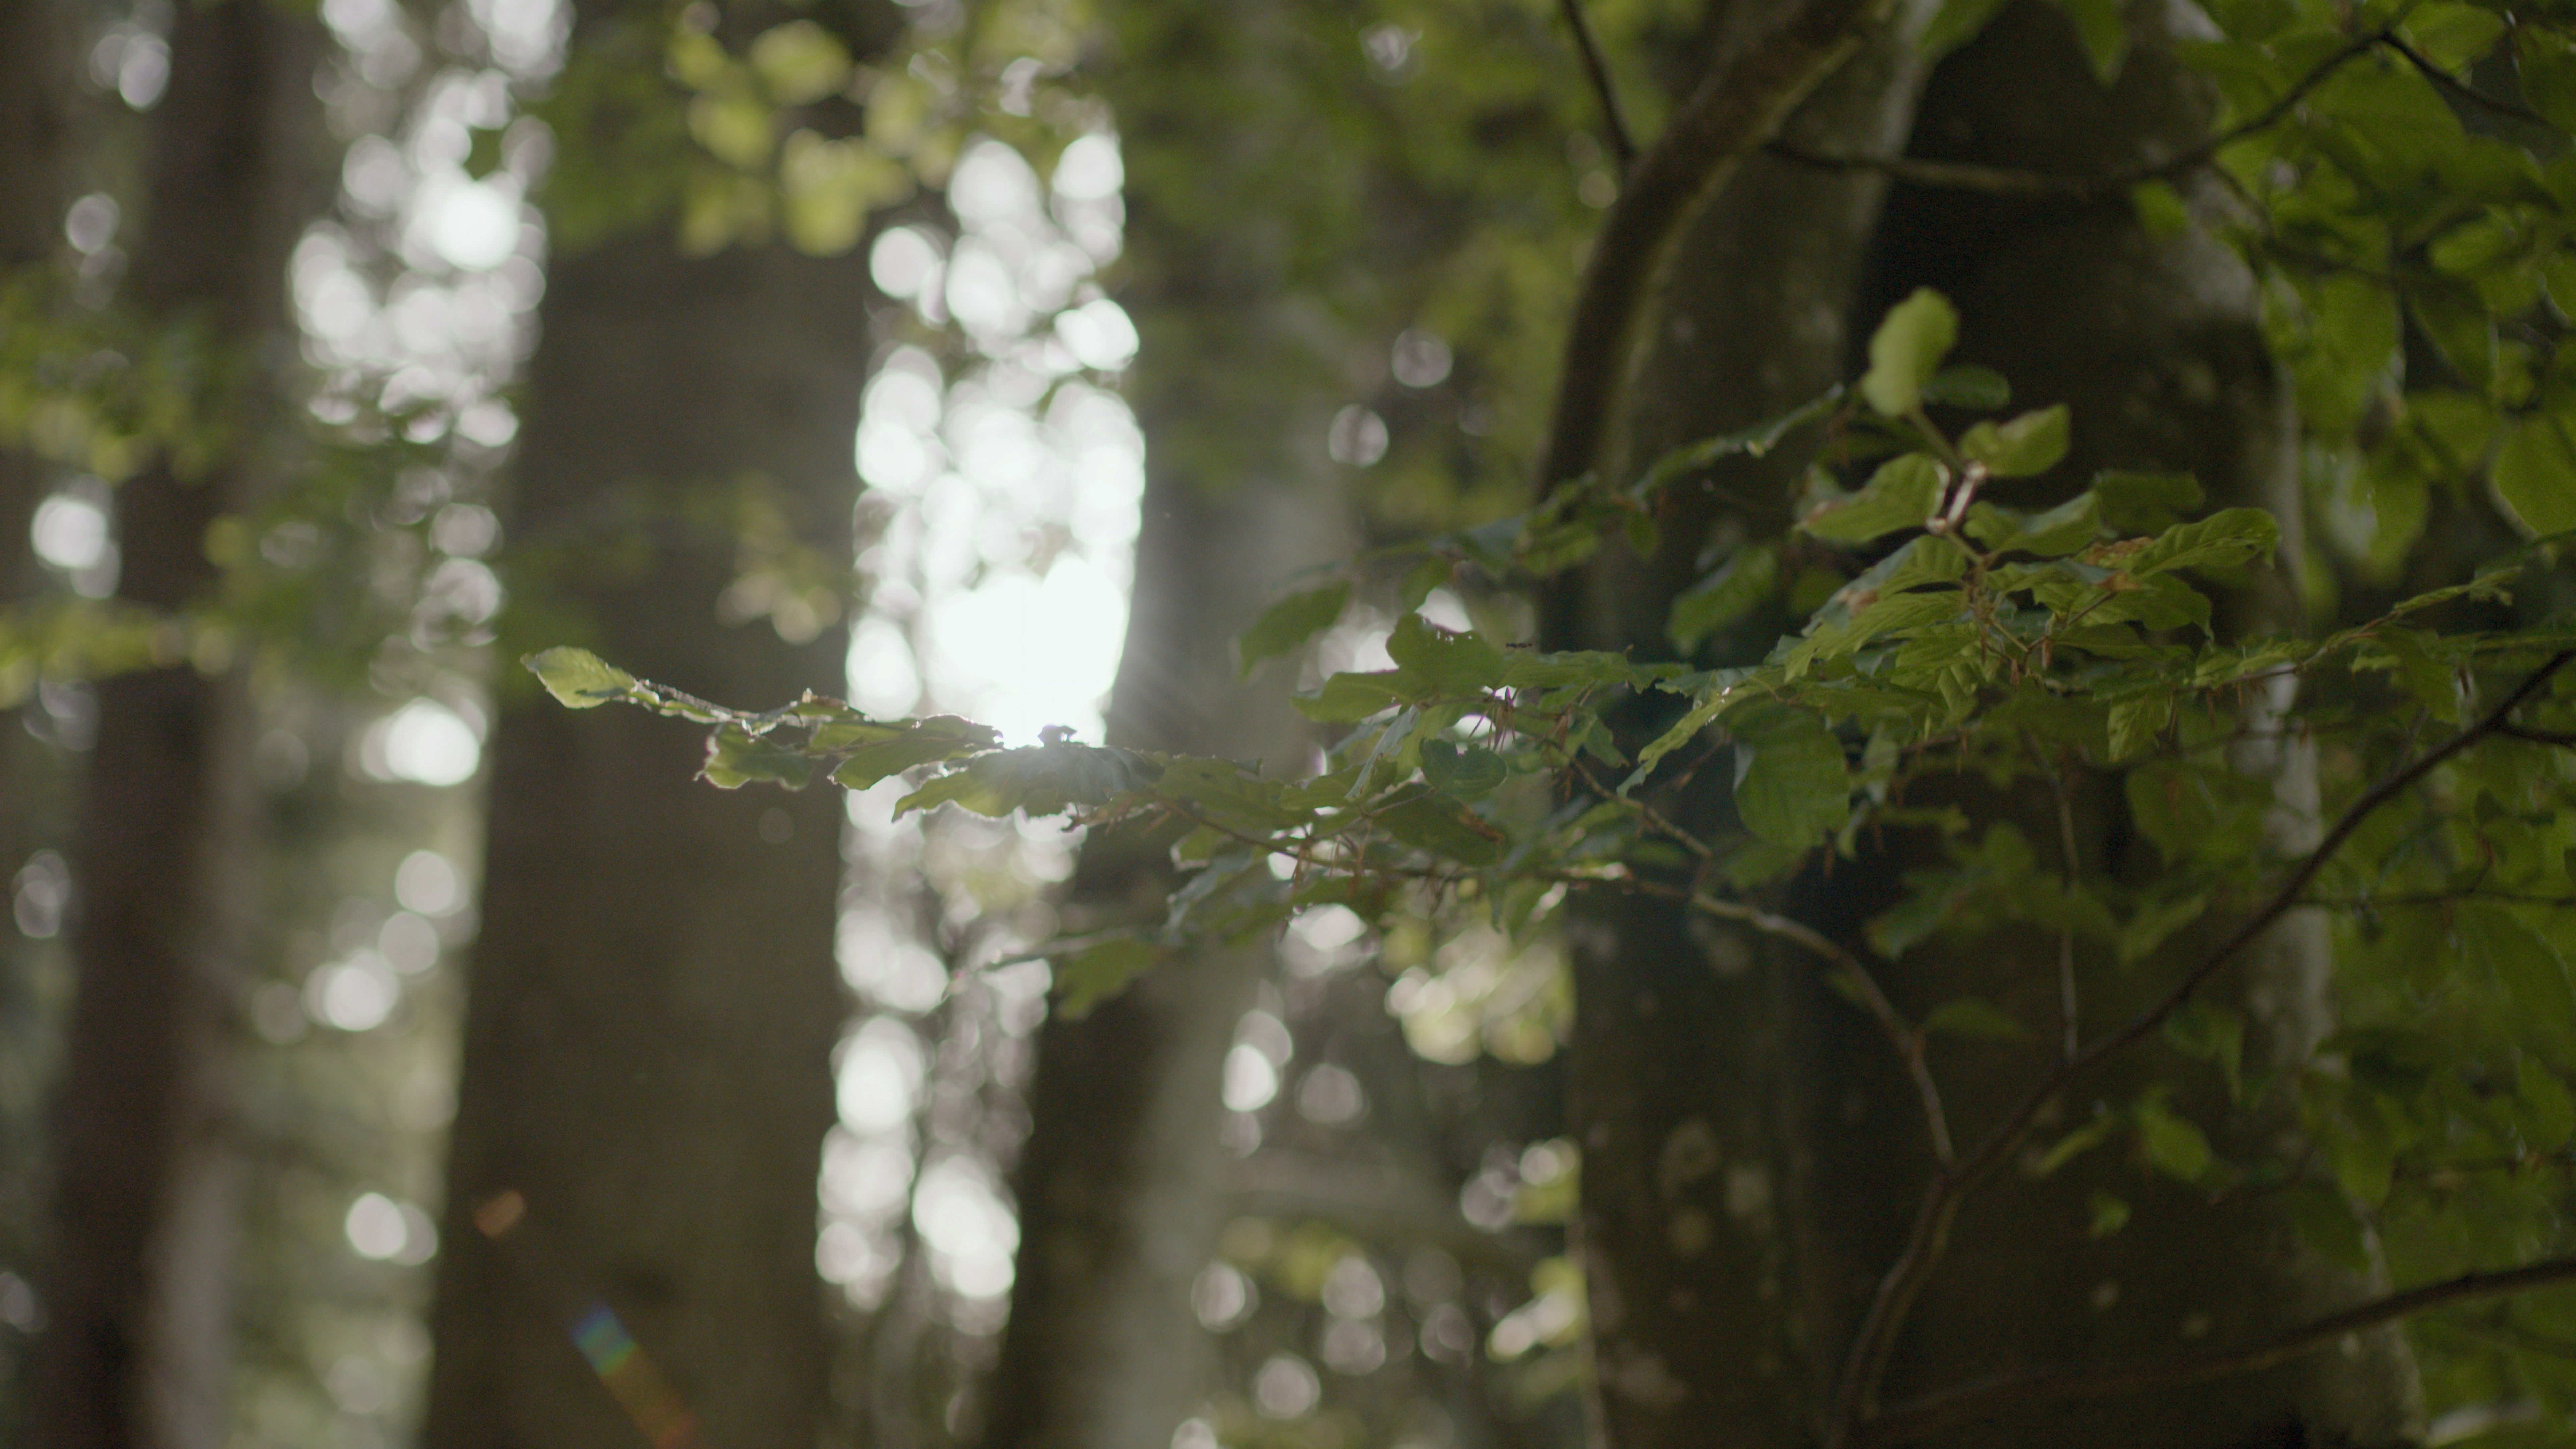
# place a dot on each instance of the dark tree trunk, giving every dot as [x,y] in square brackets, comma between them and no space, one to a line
[148,1170]
[1698,1228]
[653,1002]
[36,155]
[1753,1154]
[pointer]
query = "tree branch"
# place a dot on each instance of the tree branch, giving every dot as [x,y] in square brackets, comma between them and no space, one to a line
[1909,1046]
[1949,1407]
[1732,112]
[1614,124]
[2448,82]
[1875,1341]
[2007,181]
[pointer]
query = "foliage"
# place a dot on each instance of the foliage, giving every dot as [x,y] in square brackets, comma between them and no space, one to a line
[1973,638]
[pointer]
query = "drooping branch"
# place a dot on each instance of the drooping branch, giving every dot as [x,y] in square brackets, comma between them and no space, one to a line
[1875,1342]
[1734,110]
[1934,1412]
[1908,1044]
[1902,1036]
[1614,121]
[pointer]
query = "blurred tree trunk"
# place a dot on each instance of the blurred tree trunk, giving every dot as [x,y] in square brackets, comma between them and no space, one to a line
[653,1003]
[148,1172]
[1752,1151]
[1121,1188]
[36,158]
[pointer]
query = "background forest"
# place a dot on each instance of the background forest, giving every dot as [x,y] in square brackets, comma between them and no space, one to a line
[1640,723]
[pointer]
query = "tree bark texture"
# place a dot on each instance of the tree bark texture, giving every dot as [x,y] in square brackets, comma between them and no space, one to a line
[1122,1188]
[2154,344]
[1696,1228]
[1753,1152]
[653,1004]
[149,1173]
[36,140]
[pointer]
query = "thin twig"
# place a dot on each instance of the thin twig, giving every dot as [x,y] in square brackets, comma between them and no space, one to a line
[2466,92]
[1909,1045]
[1948,1407]
[2435,898]
[1900,1034]
[2071,1034]
[1874,1343]
[1943,175]
[1734,109]
[1614,124]
[2012,181]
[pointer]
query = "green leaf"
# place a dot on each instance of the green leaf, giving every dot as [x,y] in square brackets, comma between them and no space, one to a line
[1957,23]
[2535,474]
[1043,779]
[2103,32]
[2548,74]
[1349,697]
[1286,626]
[2073,1145]
[1443,827]
[2549,1112]
[2324,1221]
[1446,663]
[1901,494]
[577,678]
[2222,540]
[1980,389]
[1971,1017]
[1093,975]
[931,741]
[2060,531]
[1725,596]
[2023,447]
[2523,962]
[2173,1144]
[1465,773]
[736,757]
[1791,785]
[2213,1034]
[2197,811]
[1752,442]
[1907,350]
[2135,724]
[1420,580]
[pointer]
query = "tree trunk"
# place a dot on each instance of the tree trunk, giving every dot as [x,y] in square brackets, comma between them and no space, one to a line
[148,1171]
[1121,1188]
[1753,1153]
[1697,1226]
[653,1003]
[36,144]
[2154,344]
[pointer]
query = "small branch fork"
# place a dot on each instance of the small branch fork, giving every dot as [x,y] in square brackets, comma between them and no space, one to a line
[1874,1344]
[1614,122]
[2008,181]
[1907,1041]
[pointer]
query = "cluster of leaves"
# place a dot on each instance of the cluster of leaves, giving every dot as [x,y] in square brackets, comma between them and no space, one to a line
[2410,217]
[2014,642]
